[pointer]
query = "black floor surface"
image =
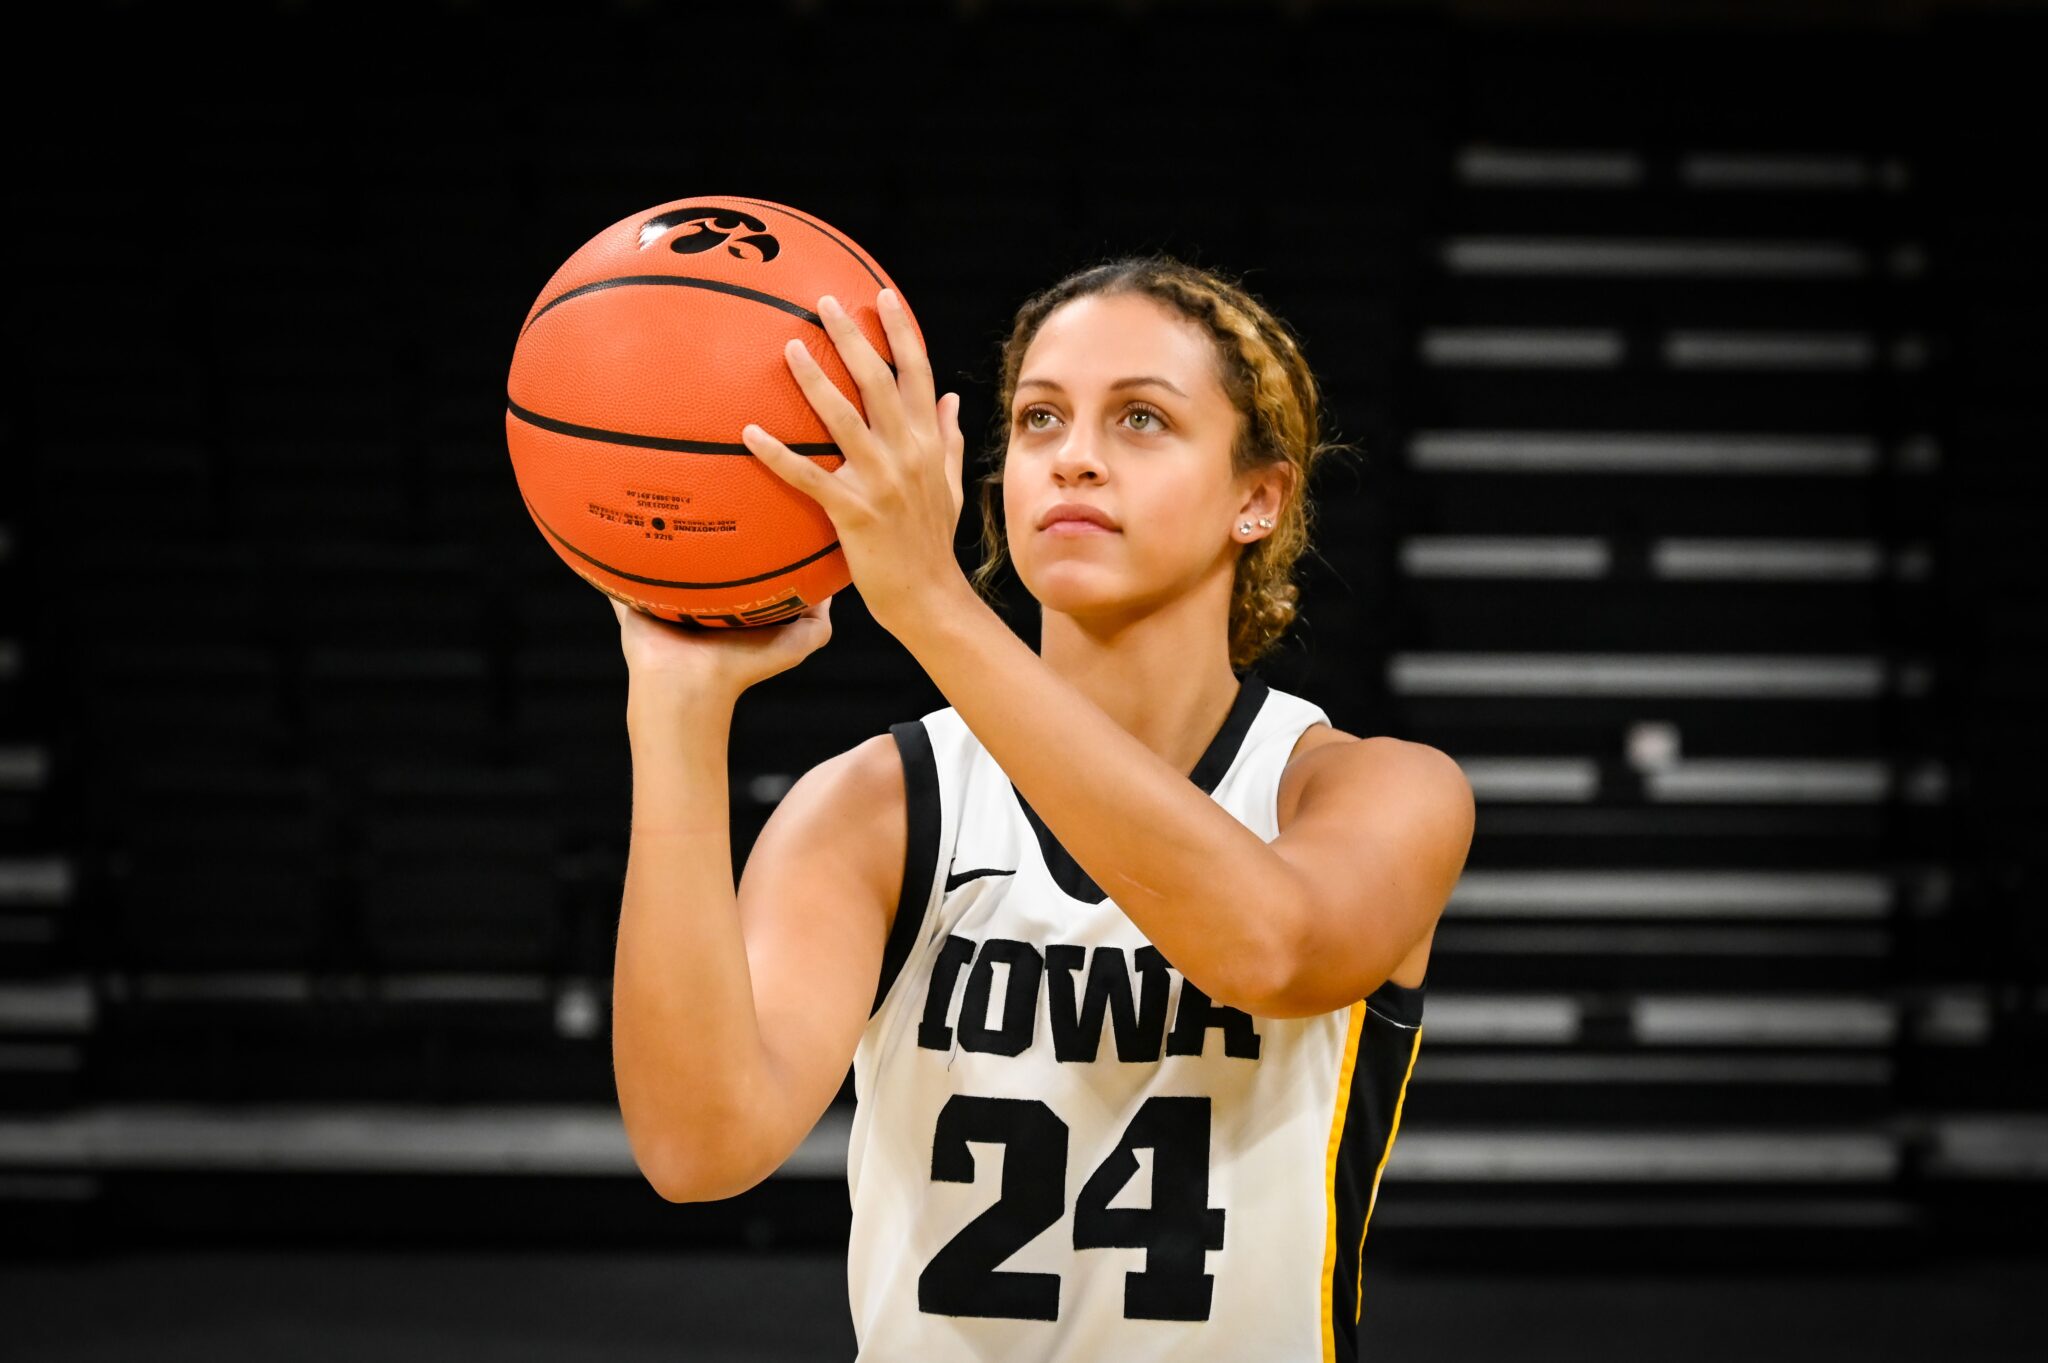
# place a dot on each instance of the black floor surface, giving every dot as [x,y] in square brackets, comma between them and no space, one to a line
[529,1306]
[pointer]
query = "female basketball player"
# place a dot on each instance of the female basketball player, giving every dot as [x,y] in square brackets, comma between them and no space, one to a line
[1126,949]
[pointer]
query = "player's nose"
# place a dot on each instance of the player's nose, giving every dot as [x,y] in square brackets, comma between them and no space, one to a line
[1078,458]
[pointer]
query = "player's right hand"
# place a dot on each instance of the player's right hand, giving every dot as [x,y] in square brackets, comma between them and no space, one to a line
[719,660]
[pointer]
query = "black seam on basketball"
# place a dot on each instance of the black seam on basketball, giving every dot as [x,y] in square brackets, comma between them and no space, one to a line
[858,259]
[814,450]
[680,281]
[663,582]
[818,227]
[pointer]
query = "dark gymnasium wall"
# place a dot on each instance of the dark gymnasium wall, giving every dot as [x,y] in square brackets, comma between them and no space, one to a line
[1695,378]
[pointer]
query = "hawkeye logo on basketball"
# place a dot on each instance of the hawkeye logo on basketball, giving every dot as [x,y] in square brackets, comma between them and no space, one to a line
[1077,1003]
[709,228]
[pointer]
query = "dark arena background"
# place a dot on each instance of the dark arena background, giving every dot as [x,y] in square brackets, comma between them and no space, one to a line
[1694,359]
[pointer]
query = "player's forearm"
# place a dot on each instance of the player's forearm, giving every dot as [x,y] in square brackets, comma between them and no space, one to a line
[1205,889]
[686,1042]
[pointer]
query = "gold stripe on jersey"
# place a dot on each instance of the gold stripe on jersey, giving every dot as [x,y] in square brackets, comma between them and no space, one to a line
[1358,1293]
[1344,1071]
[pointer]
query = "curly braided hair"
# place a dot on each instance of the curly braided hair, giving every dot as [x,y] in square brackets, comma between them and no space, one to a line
[1267,380]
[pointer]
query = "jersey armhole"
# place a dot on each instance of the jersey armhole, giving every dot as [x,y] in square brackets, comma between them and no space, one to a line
[920,850]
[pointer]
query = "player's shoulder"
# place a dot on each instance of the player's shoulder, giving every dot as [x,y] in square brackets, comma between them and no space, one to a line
[1325,756]
[866,778]
[845,820]
[1327,745]
[883,774]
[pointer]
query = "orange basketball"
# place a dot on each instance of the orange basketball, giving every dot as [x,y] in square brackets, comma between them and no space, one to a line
[632,376]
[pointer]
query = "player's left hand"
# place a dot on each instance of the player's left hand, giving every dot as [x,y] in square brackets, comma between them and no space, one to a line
[895,500]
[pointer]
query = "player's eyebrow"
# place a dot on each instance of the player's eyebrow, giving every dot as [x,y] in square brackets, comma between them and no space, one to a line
[1136,382]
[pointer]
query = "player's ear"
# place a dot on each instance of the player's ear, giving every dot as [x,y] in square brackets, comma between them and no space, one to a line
[1266,492]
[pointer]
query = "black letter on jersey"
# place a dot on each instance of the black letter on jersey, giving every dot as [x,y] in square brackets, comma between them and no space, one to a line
[1020,998]
[1077,1030]
[1196,1015]
[932,1032]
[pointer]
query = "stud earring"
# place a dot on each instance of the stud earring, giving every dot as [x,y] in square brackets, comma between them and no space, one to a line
[1244,527]
[1266,522]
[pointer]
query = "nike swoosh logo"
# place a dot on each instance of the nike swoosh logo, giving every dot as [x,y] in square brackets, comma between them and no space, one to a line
[955,881]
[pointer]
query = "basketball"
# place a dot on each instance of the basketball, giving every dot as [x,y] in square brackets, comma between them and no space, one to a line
[633,373]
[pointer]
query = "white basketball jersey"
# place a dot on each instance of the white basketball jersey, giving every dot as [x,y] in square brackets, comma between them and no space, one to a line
[1063,1150]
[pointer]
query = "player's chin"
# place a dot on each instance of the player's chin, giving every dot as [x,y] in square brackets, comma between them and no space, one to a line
[1076,586]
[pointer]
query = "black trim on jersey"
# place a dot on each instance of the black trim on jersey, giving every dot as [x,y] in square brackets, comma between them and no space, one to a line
[1386,1040]
[1208,773]
[1401,1002]
[920,849]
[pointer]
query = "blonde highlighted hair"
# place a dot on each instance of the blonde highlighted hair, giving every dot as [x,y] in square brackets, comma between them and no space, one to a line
[1267,380]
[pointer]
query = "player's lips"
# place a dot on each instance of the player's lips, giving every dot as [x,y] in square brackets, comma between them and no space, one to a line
[1076,518]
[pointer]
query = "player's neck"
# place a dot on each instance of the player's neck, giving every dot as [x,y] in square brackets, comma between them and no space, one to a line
[1165,676]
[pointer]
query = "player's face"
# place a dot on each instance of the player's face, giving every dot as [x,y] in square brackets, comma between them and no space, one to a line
[1153,457]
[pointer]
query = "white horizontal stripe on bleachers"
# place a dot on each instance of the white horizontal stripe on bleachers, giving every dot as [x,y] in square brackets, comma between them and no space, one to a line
[1676,1020]
[1550,780]
[1719,780]
[1767,560]
[24,767]
[39,1057]
[1502,1019]
[1545,893]
[1740,676]
[1643,256]
[243,986]
[1763,1020]
[1652,1213]
[1639,452]
[1624,939]
[1606,1156]
[1680,559]
[1998,1145]
[290,987]
[1776,780]
[62,1005]
[538,1139]
[1548,168]
[458,988]
[34,881]
[1503,556]
[1522,347]
[1755,170]
[1858,1071]
[1768,350]
[590,1141]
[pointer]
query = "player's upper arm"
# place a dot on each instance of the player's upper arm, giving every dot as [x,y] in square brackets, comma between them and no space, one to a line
[1377,841]
[816,901]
